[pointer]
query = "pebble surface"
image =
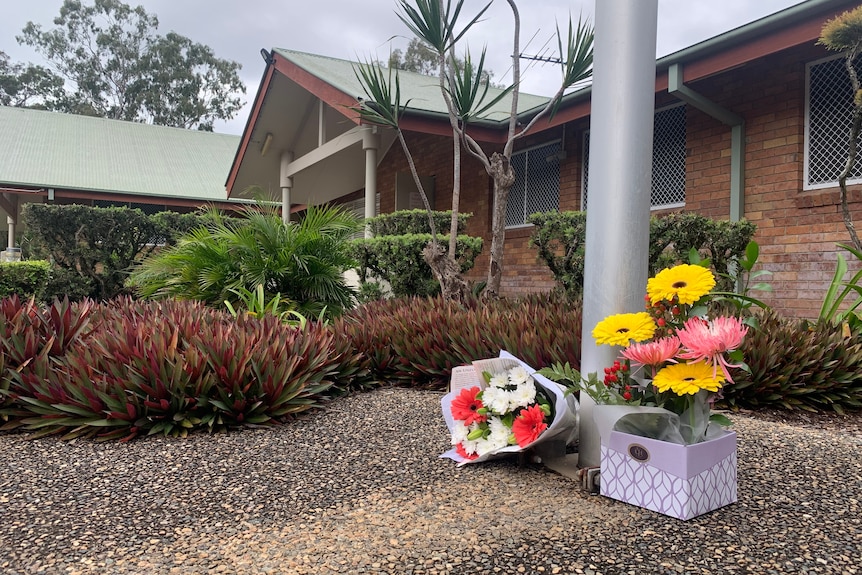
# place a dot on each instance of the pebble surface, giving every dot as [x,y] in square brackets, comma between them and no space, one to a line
[358,488]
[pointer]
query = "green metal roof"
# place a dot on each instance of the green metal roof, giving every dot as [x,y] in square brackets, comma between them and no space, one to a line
[64,151]
[420,93]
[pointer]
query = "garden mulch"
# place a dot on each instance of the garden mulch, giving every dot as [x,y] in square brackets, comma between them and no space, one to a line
[358,488]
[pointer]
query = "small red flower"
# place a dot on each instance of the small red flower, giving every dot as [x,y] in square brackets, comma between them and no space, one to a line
[466,405]
[660,322]
[627,395]
[529,424]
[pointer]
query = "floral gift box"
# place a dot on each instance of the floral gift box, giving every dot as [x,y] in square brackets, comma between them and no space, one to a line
[681,481]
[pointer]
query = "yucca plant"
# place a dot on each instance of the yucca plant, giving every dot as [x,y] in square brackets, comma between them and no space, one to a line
[303,262]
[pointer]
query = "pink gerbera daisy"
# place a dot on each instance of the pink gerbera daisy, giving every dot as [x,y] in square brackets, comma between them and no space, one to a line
[653,353]
[709,341]
[466,405]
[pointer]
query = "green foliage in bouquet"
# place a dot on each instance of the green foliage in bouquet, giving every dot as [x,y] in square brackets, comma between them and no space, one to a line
[417,341]
[798,365]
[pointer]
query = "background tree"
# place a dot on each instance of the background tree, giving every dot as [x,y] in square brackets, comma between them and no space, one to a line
[115,65]
[28,86]
[422,59]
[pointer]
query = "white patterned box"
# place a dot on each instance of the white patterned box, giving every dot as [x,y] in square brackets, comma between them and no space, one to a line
[681,481]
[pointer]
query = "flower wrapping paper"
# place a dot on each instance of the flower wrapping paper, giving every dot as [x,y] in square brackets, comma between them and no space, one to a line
[561,431]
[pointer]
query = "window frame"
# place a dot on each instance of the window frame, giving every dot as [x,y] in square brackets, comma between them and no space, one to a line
[585,163]
[806,142]
[526,150]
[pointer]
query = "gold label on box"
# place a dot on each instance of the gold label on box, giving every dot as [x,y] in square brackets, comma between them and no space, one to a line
[638,452]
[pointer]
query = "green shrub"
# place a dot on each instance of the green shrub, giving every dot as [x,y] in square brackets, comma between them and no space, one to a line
[394,254]
[92,249]
[130,368]
[417,341]
[25,279]
[303,261]
[399,261]
[404,222]
[559,238]
[797,365]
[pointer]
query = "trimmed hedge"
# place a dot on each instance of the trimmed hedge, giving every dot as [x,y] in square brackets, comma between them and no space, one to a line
[559,238]
[92,249]
[25,279]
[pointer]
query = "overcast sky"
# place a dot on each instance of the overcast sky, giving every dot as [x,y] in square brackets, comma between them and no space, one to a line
[350,29]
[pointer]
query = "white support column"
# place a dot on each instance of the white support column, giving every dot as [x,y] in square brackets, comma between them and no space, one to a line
[286,185]
[617,237]
[370,143]
[11,207]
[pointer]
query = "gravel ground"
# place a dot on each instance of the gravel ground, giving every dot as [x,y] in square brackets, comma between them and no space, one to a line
[358,488]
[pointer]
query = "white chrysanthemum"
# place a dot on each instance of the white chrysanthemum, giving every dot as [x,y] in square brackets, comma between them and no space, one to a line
[523,395]
[459,432]
[496,399]
[470,447]
[484,446]
[499,380]
[518,375]
[499,432]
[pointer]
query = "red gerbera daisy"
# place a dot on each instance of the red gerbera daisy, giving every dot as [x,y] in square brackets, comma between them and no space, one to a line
[529,424]
[466,405]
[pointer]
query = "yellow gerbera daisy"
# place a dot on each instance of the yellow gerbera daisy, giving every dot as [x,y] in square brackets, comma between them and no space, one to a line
[689,283]
[621,328]
[688,378]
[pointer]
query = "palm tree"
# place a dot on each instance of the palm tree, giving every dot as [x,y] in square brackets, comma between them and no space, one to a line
[303,262]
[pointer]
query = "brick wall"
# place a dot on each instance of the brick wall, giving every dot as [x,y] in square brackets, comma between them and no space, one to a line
[797,229]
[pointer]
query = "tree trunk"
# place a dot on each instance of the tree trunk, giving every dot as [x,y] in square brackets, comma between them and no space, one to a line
[851,155]
[453,286]
[504,179]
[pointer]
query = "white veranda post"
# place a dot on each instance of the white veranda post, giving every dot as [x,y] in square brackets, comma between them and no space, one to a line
[286,185]
[621,135]
[370,143]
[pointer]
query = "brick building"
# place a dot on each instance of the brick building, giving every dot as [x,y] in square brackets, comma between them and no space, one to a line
[749,124]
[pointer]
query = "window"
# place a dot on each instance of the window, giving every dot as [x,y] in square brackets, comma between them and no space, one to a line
[668,159]
[828,117]
[537,183]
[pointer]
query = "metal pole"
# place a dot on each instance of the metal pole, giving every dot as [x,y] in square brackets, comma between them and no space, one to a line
[621,135]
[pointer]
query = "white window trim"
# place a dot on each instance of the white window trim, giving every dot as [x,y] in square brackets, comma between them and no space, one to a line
[524,151]
[807,131]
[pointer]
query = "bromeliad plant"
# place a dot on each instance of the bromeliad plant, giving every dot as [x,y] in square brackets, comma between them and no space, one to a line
[674,357]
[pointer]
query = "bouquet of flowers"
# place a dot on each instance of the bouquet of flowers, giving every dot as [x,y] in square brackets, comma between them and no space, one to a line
[509,409]
[674,364]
